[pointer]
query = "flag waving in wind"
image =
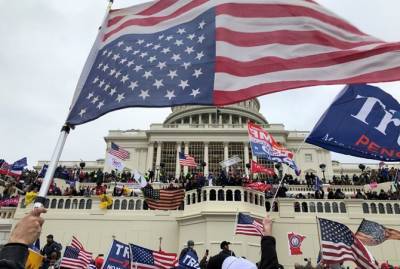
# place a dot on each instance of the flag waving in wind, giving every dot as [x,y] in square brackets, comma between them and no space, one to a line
[264,145]
[219,52]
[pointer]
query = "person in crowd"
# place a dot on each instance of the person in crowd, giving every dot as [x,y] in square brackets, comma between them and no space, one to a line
[331,195]
[50,247]
[204,260]
[190,247]
[339,194]
[98,262]
[15,253]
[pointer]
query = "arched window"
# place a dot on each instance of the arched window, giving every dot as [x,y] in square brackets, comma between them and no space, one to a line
[193,198]
[74,204]
[89,204]
[365,208]
[373,209]
[53,203]
[251,198]
[60,204]
[229,195]
[312,207]
[116,204]
[256,199]
[138,205]
[199,195]
[131,205]
[204,195]
[275,208]
[67,204]
[320,207]
[296,207]
[304,207]
[261,200]
[221,195]
[188,199]
[82,204]
[396,208]
[335,208]
[182,206]
[267,206]
[342,208]
[381,208]
[145,205]
[46,203]
[327,207]
[245,196]
[389,208]
[213,195]
[124,204]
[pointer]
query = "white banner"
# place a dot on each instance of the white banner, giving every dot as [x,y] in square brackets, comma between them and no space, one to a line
[140,179]
[231,161]
[115,162]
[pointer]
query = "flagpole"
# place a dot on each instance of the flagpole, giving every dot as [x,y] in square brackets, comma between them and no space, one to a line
[41,198]
[236,220]
[276,193]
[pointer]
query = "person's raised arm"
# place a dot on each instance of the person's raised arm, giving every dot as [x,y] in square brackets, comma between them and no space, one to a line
[269,258]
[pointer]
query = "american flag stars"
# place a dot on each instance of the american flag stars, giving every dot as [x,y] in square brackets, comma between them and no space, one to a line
[165,68]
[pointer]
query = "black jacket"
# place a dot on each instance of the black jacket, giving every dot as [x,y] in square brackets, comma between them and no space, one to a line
[14,256]
[269,258]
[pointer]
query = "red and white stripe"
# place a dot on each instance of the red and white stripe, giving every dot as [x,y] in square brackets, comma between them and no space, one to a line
[188,161]
[169,200]
[76,243]
[255,228]
[287,44]
[165,260]
[339,252]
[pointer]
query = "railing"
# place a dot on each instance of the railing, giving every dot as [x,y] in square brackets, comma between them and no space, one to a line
[228,194]
[88,203]
[343,188]
[7,212]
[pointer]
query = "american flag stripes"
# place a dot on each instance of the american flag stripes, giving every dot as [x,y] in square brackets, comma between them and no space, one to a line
[163,199]
[339,244]
[143,258]
[75,256]
[186,160]
[248,226]
[118,152]
[218,52]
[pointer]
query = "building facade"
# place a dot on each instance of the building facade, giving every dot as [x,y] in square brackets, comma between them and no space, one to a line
[211,135]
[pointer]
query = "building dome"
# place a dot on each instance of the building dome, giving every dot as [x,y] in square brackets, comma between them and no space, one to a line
[238,113]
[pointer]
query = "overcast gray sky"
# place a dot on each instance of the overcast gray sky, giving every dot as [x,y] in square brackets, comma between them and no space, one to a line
[44,44]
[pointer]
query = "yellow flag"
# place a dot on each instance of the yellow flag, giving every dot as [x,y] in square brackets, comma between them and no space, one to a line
[34,260]
[30,197]
[105,201]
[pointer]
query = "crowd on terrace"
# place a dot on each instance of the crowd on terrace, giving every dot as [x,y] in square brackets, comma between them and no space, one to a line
[30,180]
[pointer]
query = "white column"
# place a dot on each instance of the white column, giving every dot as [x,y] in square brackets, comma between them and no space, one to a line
[158,156]
[190,120]
[226,153]
[220,119]
[150,154]
[178,166]
[206,158]
[209,118]
[240,119]
[185,168]
[246,156]
[200,119]
[230,118]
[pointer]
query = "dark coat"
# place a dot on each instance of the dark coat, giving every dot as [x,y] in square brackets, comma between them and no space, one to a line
[14,256]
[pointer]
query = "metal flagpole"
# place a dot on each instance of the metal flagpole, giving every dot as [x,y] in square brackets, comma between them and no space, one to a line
[41,198]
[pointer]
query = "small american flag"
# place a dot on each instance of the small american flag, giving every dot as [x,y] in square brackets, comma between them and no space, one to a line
[248,226]
[4,168]
[186,160]
[118,152]
[339,244]
[75,256]
[143,258]
[163,199]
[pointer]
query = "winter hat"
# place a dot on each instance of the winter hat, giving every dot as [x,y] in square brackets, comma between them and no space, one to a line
[233,262]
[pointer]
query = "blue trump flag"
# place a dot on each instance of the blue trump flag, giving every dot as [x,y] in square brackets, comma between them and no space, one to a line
[19,165]
[189,261]
[363,121]
[118,257]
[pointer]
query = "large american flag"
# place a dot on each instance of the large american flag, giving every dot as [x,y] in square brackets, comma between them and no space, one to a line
[218,52]
[163,199]
[118,152]
[186,160]
[75,256]
[248,226]
[339,244]
[143,258]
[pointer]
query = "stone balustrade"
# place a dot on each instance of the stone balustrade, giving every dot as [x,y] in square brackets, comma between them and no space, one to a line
[7,212]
